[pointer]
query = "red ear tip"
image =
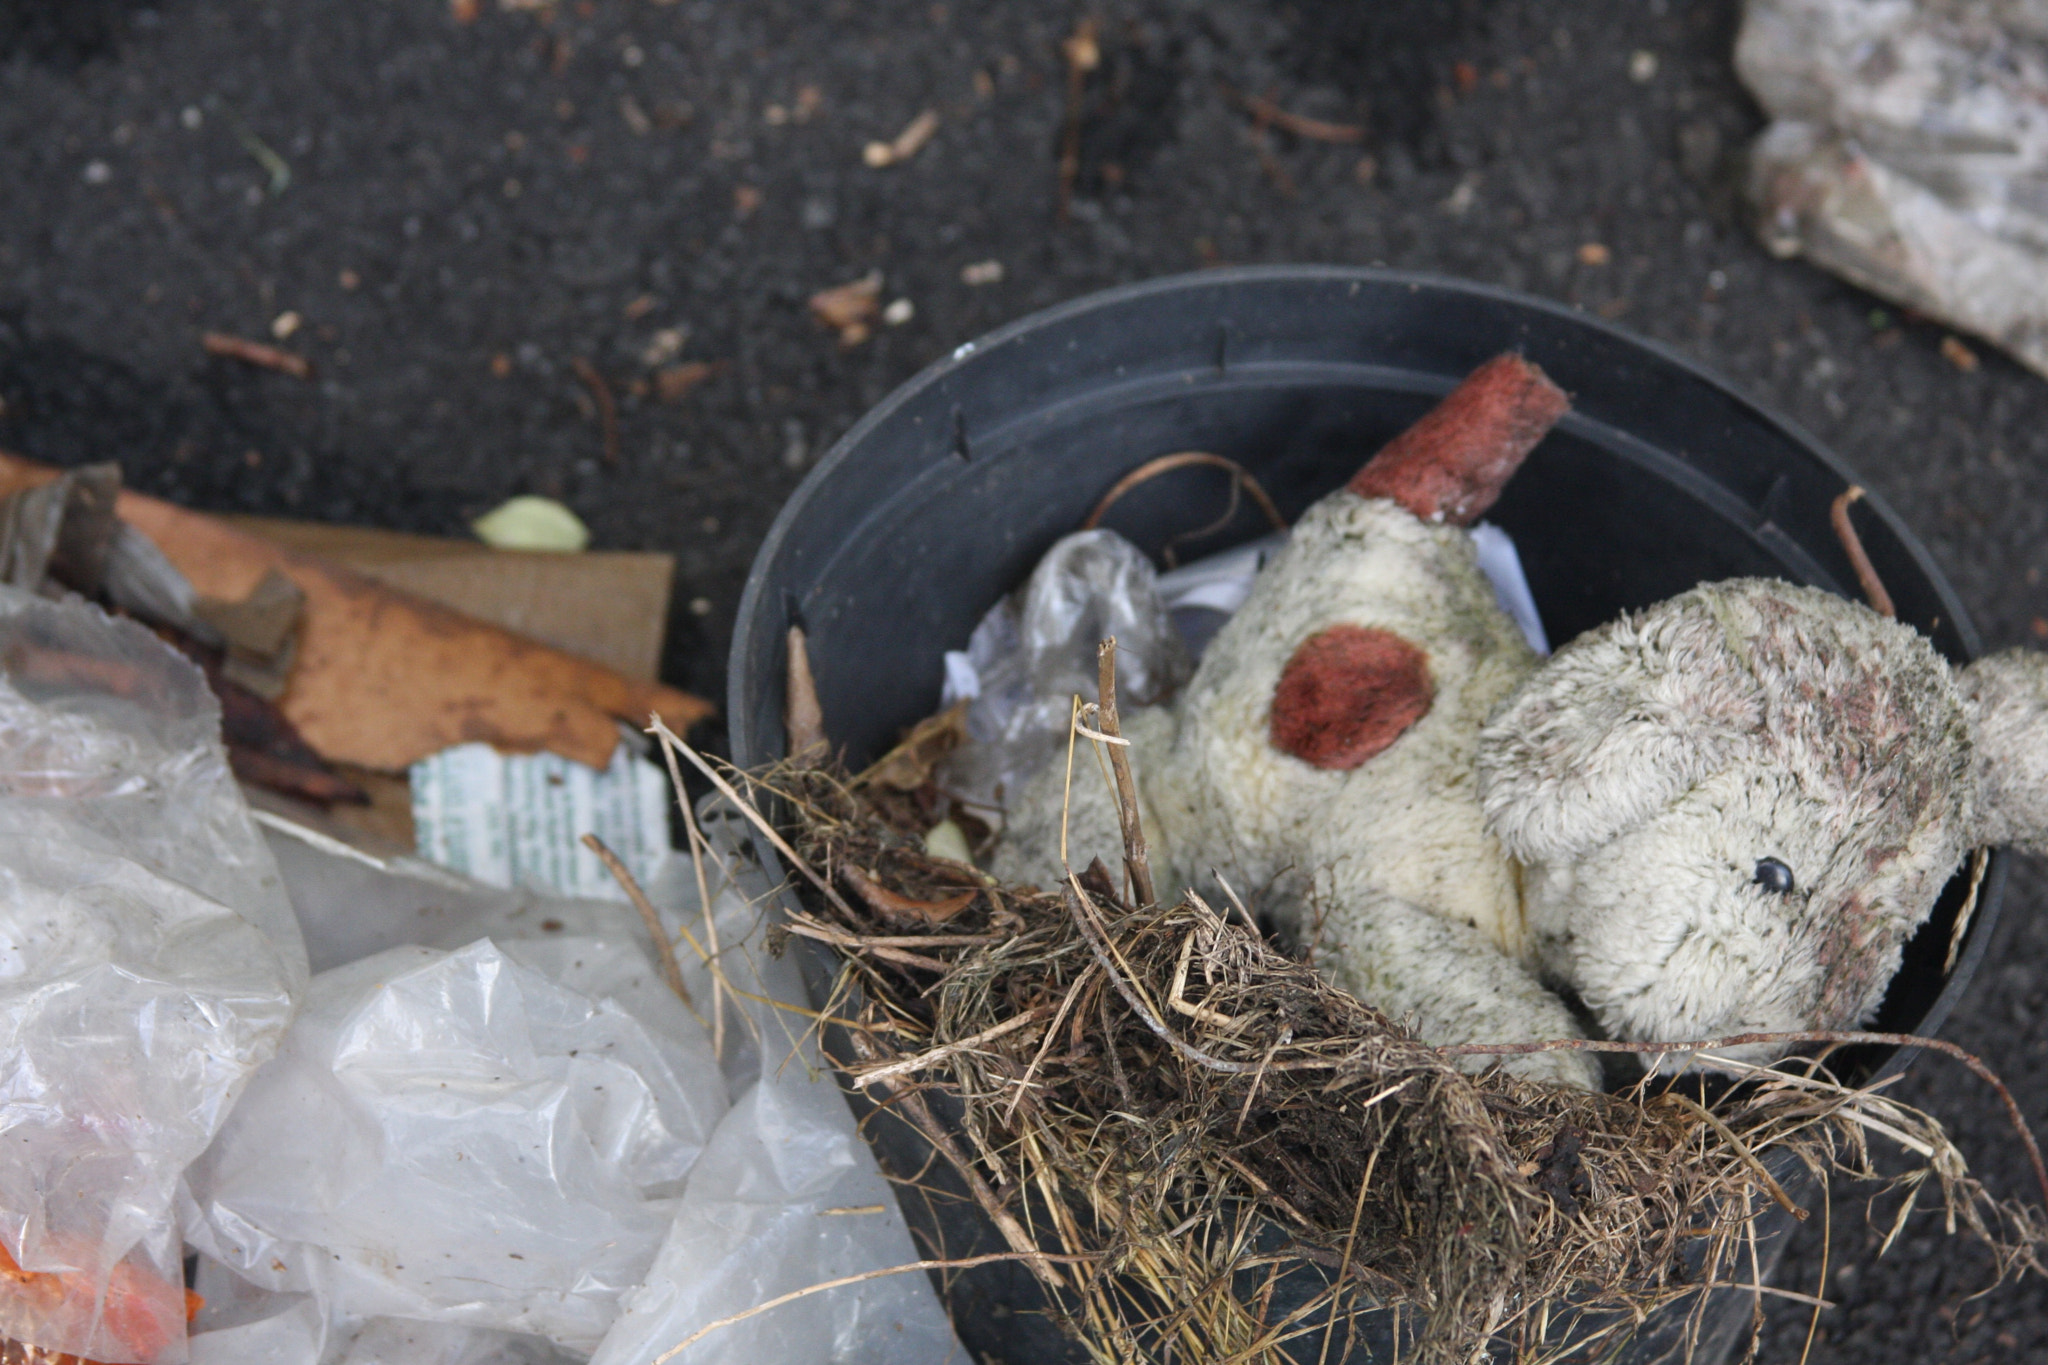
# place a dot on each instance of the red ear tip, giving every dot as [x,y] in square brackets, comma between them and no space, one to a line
[1347,694]
[1452,464]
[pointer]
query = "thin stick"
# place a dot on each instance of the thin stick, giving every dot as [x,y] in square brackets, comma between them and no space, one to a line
[1051,1032]
[607,410]
[1313,129]
[967,1264]
[1181,459]
[1231,892]
[919,1116]
[757,820]
[1135,860]
[670,972]
[869,946]
[1083,54]
[828,934]
[1820,1293]
[889,1071]
[1968,1059]
[700,849]
[1852,545]
[256,353]
[1749,1158]
[1979,860]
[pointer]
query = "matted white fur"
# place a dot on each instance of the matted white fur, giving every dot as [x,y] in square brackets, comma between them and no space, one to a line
[1601,821]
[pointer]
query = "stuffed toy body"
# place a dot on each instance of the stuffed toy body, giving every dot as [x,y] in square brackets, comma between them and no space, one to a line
[1723,814]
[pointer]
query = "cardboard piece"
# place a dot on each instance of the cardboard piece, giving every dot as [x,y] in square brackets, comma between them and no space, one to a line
[384,677]
[609,606]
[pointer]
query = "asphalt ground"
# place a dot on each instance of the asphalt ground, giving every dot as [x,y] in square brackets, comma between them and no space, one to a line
[468,219]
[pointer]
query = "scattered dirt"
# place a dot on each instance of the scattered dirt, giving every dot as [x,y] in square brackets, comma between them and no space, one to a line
[467,210]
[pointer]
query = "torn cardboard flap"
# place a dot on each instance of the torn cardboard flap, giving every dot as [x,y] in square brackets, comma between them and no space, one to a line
[385,678]
[609,606]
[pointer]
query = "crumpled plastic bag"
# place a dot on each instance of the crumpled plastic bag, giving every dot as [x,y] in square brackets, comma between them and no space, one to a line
[149,963]
[478,1137]
[1036,648]
[787,1195]
[763,1210]
[1909,152]
[290,1329]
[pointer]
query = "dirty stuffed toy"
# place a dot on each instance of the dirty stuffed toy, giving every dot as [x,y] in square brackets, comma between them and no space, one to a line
[1722,814]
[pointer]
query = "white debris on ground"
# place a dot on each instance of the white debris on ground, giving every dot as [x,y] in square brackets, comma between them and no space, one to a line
[1908,152]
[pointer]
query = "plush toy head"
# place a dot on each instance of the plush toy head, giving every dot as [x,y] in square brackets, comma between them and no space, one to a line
[1734,808]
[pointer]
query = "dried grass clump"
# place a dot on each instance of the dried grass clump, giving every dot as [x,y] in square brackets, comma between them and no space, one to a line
[1169,1119]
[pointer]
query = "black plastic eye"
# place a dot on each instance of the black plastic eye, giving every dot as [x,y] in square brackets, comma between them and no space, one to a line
[1773,876]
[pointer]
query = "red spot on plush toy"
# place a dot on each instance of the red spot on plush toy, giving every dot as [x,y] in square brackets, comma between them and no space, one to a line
[1347,694]
[1451,465]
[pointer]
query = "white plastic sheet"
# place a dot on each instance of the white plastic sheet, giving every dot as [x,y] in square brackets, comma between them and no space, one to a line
[786,1195]
[1909,152]
[466,1137]
[148,965]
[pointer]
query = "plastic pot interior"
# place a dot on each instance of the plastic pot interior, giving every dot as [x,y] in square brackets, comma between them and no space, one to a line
[944,497]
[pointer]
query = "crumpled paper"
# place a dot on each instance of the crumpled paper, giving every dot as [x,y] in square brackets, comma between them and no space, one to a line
[1909,152]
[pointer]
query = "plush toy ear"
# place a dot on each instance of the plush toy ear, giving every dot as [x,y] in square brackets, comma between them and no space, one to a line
[1613,728]
[2006,699]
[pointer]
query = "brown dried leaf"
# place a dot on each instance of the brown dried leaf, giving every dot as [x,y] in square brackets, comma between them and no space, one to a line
[909,765]
[675,381]
[803,718]
[849,305]
[902,910]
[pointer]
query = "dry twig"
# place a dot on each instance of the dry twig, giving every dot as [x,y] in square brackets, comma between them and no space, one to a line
[1135,861]
[628,883]
[1852,544]
[256,353]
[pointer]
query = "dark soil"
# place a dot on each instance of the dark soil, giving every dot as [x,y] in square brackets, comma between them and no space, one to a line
[469,209]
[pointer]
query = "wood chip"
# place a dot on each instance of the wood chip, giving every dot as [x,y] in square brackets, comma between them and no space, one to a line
[257,354]
[673,382]
[906,143]
[850,309]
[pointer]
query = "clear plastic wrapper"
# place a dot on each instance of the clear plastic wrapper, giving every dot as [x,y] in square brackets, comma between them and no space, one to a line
[1036,648]
[149,963]
[1909,152]
[763,1211]
[786,1195]
[477,1138]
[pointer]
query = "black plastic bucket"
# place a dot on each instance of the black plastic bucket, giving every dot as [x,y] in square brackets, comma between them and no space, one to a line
[944,497]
